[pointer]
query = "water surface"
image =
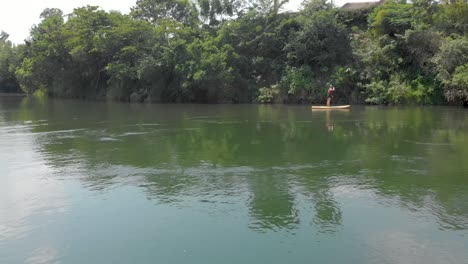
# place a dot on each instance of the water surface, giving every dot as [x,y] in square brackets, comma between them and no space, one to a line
[90,182]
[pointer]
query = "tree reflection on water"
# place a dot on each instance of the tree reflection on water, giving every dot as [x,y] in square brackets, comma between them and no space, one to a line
[279,161]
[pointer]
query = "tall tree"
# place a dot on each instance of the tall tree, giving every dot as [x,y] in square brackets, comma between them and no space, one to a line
[152,11]
[9,59]
[46,55]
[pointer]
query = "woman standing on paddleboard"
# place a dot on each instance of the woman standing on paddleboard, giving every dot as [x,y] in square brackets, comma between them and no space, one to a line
[331,90]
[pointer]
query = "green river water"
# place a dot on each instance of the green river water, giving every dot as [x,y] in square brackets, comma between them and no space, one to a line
[95,182]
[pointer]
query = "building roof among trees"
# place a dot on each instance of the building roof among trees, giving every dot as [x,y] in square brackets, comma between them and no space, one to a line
[360,5]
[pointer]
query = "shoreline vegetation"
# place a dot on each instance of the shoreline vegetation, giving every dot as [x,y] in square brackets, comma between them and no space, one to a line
[13,94]
[236,51]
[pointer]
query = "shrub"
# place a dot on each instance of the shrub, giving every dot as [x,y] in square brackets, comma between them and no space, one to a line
[267,95]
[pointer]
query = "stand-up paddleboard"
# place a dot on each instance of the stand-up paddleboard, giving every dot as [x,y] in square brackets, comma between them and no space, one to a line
[323,107]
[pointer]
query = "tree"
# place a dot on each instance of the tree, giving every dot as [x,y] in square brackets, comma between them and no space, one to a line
[214,12]
[45,54]
[453,18]
[183,11]
[314,51]
[321,42]
[4,36]
[269,6]
[127,41]
[9,60]
[451,64]
[391,18]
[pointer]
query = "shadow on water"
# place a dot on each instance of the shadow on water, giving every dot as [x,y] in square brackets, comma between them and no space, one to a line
[279,161]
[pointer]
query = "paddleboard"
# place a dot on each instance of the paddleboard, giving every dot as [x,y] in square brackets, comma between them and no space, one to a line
[331,107]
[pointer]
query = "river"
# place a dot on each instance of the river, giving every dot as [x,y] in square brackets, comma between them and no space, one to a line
[97,182]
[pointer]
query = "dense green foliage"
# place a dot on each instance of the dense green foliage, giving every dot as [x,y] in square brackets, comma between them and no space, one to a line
[234,51]
[9,60]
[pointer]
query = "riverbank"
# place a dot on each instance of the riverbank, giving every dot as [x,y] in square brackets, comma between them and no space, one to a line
[373,56]
[12,95]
